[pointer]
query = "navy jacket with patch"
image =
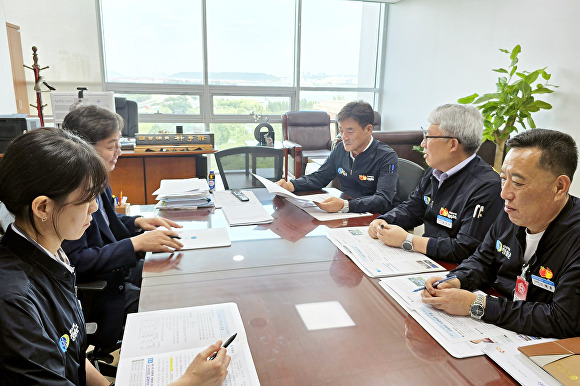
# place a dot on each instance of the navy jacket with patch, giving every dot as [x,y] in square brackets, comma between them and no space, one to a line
[371,179]
[500,259]
[457,214]
[42,329]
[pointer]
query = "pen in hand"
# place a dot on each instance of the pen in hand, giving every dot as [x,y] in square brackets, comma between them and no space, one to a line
[436,283]
[225,345]
[175,237]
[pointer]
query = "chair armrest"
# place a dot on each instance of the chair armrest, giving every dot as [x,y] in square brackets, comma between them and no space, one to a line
[97,285]
[295,151]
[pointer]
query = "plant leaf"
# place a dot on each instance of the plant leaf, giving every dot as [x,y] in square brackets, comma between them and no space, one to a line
[546,76]
[514,69]
[515,52]
[502,70]
[542,90]
[504,50]
[542,105]
[531,122]
[467,99]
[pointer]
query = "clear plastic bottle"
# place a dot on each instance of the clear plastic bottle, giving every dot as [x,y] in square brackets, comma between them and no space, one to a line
[211,180]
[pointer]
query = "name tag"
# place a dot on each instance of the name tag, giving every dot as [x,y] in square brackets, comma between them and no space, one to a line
[444,221]
[543,283]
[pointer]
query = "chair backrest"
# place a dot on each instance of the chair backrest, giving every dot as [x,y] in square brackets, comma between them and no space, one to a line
[129,111]
[6,218]
[409,176]
[311,129]
[377,122]
[237,164]
[402,143]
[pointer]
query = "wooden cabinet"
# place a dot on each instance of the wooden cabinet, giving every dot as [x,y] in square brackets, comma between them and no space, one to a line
[137,175]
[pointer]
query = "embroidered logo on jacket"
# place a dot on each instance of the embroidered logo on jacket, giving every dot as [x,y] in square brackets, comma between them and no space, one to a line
[362,177]
[546,272]
[503,249]
[426,200]
[478,211]
[342,172]
[63,342]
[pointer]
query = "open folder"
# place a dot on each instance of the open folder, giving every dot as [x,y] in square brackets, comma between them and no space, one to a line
[560,358]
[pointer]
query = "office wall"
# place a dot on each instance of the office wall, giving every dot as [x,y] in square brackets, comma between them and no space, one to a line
[7,98]
[66,35]
[438,51]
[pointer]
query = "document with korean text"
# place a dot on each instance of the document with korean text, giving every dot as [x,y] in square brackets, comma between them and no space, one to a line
[158,346]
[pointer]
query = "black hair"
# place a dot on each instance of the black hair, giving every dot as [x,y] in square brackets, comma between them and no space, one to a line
[92,123]
[49,162]
[559,151]
[360,111]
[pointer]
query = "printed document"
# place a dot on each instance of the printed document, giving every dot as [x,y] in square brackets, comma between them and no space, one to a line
[322,215]
[158,346]
[280,191]
[377,259]
[242,213]
[203,238]
[461,336]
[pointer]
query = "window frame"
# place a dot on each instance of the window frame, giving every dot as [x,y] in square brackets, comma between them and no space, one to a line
[207,92]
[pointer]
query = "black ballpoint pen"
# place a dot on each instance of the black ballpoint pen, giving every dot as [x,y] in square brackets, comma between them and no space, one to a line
[175,237]
[225,345]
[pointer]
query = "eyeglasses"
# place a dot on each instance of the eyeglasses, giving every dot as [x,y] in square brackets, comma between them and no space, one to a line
[427,137]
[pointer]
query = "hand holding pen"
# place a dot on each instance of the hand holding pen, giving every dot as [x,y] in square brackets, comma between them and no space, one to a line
[225,345]
[436,283]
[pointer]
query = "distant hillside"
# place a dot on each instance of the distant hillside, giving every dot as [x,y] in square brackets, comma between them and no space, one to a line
[227,76]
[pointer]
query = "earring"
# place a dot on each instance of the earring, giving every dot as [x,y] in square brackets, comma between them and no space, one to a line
[44,219]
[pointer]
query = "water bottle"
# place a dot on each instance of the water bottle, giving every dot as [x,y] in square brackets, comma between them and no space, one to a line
[211,181]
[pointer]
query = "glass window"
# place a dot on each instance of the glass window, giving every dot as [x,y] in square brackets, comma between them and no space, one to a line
[165,104]
[250,42]
[154,128]
[146,41]
[228,135]
[339,43]
[245,105]
[331,101]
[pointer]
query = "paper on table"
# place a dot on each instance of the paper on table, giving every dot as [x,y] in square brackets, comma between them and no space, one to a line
[159,345]
[204,238]
[323,315]
[280,191]
[461,336]
[242,213]
[322,215]
[516,364]
[175,186]
[375,258]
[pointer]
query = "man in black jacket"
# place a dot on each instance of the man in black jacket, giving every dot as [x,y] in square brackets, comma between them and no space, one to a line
[366,168]
[531,255]
[457,200]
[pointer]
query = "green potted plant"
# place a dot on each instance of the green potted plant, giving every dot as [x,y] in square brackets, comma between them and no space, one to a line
[512,104]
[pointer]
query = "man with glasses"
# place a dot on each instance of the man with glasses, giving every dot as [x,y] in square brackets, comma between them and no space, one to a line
[531,254]
[458,198]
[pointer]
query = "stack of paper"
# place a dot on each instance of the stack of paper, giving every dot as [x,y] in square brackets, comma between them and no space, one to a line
[188,193]
[242,212]
[158,346]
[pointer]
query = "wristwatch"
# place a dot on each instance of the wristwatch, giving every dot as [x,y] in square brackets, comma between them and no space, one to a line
[476,310]
[408,243]
[344,207]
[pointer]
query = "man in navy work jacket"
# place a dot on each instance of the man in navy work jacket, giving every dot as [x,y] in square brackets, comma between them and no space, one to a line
[457,200]
[531,255]
[366,168]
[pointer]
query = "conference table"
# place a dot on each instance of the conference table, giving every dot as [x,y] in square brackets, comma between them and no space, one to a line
[270,269]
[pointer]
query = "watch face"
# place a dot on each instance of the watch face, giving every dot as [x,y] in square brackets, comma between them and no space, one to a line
[476,311]
[407,245]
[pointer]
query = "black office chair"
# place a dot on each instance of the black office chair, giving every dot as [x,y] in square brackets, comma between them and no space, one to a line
[409,176]
[129,111]
[235,165]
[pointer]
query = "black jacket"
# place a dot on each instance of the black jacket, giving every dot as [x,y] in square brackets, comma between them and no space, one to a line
[456,215]
[371,179]
[499,260]
[42,330]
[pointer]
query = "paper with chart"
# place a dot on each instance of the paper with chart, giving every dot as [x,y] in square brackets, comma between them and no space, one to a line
[375,258]
[461,336]
[158,346]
